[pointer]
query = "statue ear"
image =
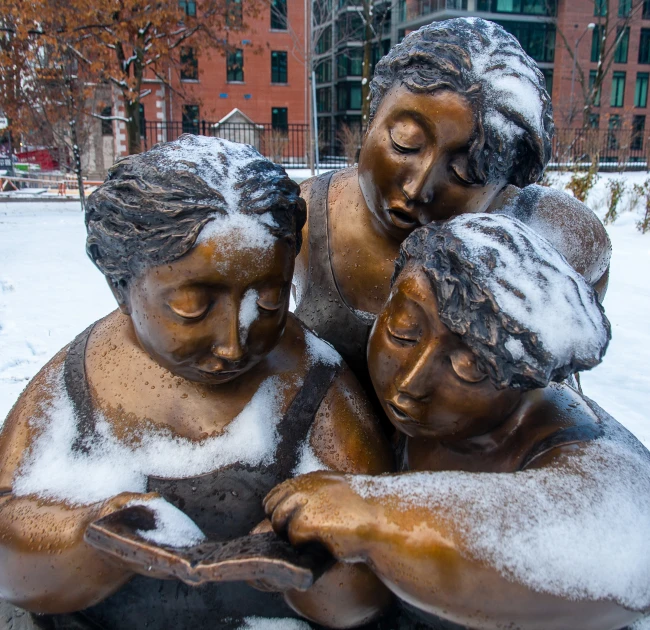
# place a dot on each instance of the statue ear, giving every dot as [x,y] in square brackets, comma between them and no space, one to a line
[121,295]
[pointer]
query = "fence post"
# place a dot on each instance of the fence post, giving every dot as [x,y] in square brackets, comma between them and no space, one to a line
[203,128]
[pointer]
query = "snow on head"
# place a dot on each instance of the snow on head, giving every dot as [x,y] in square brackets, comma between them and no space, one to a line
[223,166]
[578,531]
[508,82]
[534,287]
[54,469]
[218,162]
[173,527]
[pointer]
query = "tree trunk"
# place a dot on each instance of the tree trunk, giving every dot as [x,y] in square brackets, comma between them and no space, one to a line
[133,131]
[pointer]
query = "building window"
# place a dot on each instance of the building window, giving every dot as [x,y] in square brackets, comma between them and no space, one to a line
[641,90]
[279,118]
[594,121]
[189,65]
[324,100]
[624,8]
[592,80]
[618,89]
[638,131]
[620,54]
[190,119]
[278,67]
[595,44]
[644,46]
[600,8]
[234,15]
[324,43]
[349,63]
[188,7]
[279,15]
[612,136]
[349,96]
[646,10]
[235,65]
[538,40]
[524,7]
[107,125]
[548,80]
[324,71]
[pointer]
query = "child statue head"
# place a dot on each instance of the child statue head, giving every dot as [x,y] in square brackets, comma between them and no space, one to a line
[458,111]
[197,240]
[481,309]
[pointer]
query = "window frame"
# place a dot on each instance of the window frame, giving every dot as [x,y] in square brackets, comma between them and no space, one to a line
[236,68]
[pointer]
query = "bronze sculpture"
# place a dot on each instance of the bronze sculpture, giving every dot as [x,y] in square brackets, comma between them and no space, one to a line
[201,389]
[522,497]
[204,371]
[460,122]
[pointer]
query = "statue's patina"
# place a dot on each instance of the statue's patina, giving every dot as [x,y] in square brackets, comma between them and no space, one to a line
[520,501]
[201,389]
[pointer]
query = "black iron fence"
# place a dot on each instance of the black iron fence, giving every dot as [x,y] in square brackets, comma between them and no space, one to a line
[287,145]
[619,148]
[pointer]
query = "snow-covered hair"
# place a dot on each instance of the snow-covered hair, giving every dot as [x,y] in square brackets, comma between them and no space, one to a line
[152,206]
[481,61]
[514,300]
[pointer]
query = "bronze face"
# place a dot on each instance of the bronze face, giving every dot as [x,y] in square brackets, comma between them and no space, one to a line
[413,162]
[187,315]
[426,378]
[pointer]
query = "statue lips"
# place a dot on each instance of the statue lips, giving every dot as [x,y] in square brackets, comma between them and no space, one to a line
[402,218]
[400,415]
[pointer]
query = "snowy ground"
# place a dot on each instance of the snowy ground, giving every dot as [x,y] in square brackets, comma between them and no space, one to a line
[49,292]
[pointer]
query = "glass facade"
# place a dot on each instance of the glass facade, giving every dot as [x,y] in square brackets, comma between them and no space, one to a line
[537,39]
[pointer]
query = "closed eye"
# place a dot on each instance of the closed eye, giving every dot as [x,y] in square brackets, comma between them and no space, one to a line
[404,337]
[463,179]
[193,315]
[400,148]
[269,306]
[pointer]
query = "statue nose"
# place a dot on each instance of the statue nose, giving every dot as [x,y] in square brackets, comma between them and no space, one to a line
[227,345]
[418,190]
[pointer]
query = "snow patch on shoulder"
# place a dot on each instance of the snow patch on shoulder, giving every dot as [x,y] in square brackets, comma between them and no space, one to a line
[54,469]
[320,351]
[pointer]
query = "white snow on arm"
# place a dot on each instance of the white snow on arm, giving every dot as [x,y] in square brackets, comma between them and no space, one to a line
[173,527]
[579,532]
[248,312]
